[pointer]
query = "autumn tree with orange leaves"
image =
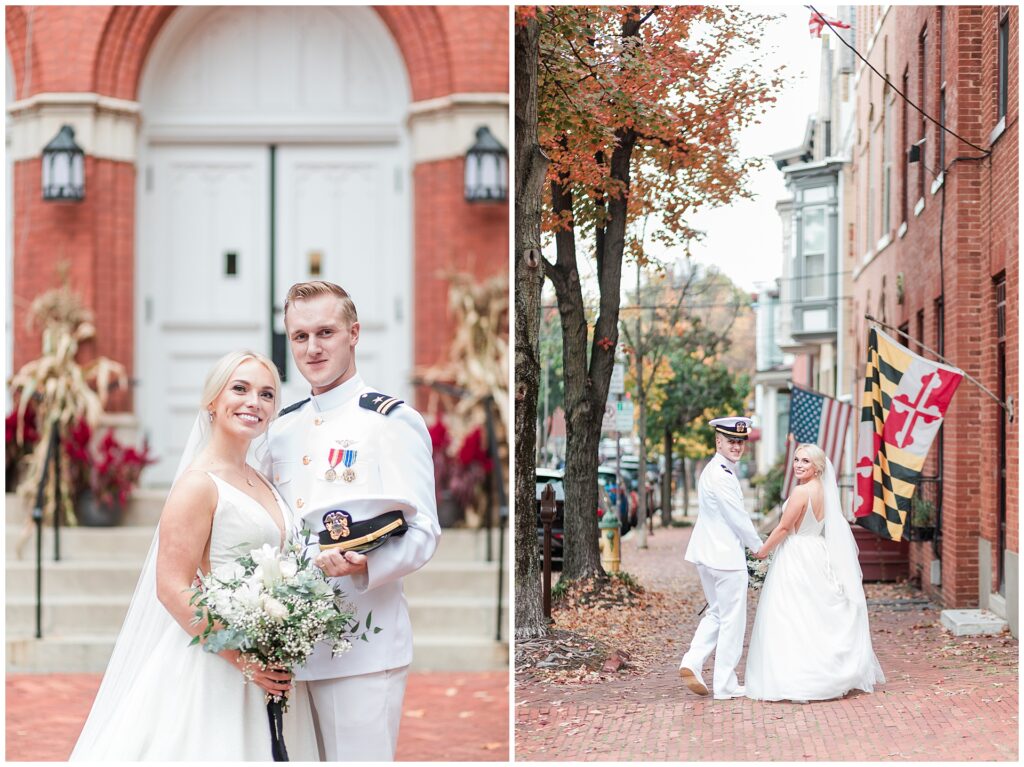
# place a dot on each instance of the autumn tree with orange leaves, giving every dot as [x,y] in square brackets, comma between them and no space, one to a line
[638,110]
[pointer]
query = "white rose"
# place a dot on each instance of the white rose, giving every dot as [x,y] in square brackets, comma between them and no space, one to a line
[224,605]
[273,608]
[289,567]
[248,594]
[229,571]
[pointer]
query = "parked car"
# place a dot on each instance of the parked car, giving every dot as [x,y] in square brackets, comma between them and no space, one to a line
[552,477]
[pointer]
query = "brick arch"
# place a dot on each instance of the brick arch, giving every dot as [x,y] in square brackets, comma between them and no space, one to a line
[420,35]
[131,30]
[17,40]
[126,41]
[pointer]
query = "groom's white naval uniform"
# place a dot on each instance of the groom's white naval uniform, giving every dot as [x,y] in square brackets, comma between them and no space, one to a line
[388,453]
[716,547]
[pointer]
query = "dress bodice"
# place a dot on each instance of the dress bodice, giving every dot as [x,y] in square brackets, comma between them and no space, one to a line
[240,524]
[809,526]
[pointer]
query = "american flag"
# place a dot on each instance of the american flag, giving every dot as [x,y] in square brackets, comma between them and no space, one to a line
[817,419]
[817,23]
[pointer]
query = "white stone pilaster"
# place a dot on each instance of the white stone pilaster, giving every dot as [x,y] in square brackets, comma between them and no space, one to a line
[445,127]
[105,127]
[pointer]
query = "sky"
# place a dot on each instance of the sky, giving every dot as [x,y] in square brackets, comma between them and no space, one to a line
[744,239]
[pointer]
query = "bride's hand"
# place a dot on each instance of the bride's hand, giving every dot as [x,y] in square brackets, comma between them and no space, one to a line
[761,554]
[275,681]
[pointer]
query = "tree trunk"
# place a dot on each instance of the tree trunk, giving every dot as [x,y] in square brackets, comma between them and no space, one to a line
[531,166]
[581,555]
[666,481]
[586,384]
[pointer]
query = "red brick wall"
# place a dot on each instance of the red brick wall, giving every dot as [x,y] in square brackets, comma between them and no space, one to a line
[980,240]
[96,238]
[461,237]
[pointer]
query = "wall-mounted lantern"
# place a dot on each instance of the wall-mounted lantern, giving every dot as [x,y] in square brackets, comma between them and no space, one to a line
[486,169]
[63,167]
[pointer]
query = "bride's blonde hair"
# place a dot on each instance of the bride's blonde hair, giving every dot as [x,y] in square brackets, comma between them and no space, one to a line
[218,376]
[814,454]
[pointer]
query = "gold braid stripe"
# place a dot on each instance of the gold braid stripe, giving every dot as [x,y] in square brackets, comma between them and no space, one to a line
[346,545]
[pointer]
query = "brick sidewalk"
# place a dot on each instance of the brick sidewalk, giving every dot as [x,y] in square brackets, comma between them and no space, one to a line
[944,699]
[446,717]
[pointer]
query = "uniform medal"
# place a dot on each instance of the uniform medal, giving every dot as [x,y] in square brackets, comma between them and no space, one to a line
[349,458]
[334,458]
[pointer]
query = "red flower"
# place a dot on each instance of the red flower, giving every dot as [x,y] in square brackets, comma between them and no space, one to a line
[473,451]
[439,437]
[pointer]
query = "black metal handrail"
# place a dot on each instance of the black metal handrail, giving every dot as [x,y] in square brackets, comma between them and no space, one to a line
[52,457]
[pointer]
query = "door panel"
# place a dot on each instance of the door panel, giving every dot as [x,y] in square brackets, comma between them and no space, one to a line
[345,208]
[203,272]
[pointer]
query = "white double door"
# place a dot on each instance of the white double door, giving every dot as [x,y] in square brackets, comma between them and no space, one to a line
[209,281]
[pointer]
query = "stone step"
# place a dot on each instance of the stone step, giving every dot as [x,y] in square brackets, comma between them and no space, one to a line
[98,615]
[82,544]
[972,622]
[90,653]
[118,578]
[143,509]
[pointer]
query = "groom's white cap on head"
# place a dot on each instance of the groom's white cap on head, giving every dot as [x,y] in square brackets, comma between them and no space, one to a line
[734,426]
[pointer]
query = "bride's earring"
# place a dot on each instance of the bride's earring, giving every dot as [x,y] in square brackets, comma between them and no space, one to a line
[210,414]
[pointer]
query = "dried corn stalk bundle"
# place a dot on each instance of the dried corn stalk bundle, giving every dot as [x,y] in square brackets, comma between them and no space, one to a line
[477,363]
[60,389]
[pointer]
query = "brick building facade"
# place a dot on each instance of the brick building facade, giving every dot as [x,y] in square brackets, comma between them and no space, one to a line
[117,74]
[934,248]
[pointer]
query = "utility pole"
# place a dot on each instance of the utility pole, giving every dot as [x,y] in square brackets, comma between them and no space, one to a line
[641,469]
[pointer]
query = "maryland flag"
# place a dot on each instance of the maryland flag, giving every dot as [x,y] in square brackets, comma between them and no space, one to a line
[905,399]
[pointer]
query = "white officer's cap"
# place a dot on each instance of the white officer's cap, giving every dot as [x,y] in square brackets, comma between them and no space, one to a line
[359,524]
[734,427]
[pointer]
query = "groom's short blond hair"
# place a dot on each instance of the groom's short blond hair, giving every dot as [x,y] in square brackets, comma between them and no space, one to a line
[303,290]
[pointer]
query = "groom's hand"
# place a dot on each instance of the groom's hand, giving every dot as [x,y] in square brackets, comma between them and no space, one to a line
[336,563]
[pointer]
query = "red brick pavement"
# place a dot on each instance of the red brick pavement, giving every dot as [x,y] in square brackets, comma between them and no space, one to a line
[944,699]
[447,716]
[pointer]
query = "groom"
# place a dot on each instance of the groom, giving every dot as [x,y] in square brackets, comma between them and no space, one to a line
[344,443]
[716,547]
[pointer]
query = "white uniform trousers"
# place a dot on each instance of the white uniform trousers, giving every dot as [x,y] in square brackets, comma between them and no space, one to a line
[723,625]
[357,717]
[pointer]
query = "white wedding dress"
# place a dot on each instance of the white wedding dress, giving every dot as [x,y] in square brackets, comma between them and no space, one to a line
[811,639]
[163,700]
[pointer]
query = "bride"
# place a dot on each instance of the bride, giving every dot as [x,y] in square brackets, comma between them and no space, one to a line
[811,639]
[160,698]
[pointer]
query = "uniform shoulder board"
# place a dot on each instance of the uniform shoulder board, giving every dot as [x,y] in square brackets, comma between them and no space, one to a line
[293,407]
[725,468]
[381,403]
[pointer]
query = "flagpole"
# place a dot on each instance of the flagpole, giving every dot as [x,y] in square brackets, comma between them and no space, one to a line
[1007,406]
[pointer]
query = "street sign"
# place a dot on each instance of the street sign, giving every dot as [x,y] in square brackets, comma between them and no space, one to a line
[624,416]
[618,383]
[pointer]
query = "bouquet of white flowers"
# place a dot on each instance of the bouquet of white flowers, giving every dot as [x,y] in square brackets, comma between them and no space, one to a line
[757,569]
[274,607]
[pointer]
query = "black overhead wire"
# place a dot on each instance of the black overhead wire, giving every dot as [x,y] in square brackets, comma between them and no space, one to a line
[885,79]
